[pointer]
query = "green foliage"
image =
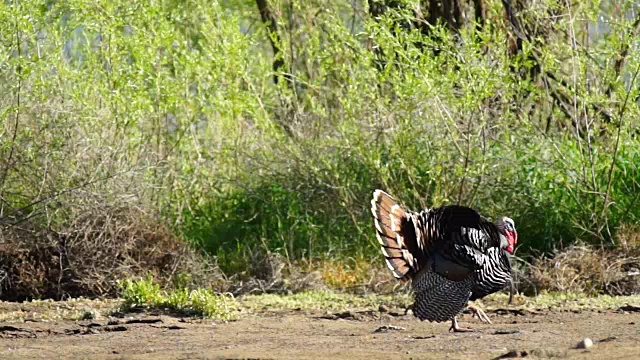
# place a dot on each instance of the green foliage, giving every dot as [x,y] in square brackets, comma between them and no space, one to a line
[143,291]
[328,300]
[201,302]
[322,299]
[172,104]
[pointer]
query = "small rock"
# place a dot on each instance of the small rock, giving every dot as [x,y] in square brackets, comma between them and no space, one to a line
[350,315]
[630,308]
[90,314]
[423,337]
[513,354]
[383,308]
[329,316]
[386,328]
[91,331]
[506,332]
[72,331]
[144,321]
[585,344]
[175,327]
[610,338]
[115,328]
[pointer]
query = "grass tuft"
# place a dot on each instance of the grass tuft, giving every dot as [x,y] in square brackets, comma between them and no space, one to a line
[196,302]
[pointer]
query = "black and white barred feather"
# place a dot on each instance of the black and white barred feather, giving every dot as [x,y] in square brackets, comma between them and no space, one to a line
[437,298]
[493,276]
[451,253]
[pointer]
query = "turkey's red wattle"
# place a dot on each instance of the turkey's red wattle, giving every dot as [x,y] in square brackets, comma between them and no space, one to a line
[512,239]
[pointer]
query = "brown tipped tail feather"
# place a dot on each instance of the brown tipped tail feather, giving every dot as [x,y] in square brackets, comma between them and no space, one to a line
[450,253]
[395,233]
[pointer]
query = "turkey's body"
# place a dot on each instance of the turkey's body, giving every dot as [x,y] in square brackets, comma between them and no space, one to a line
[493,276]
[437,298]
[451,254]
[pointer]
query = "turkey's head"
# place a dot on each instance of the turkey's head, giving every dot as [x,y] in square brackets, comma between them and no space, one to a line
[510,238]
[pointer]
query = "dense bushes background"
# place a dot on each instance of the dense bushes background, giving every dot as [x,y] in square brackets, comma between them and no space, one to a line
[172,106]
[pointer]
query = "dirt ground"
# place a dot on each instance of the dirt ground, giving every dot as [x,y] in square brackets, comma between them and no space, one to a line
[320,335]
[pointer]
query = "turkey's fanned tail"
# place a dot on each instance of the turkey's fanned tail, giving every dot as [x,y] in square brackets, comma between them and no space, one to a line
[390,221]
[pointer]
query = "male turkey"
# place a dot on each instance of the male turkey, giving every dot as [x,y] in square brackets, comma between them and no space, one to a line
[451,254]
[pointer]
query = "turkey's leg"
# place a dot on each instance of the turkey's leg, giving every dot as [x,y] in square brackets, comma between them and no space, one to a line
[479,313]
[456,328]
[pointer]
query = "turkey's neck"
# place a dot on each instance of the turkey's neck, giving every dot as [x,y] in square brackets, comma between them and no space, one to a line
[498,263]
[494,275]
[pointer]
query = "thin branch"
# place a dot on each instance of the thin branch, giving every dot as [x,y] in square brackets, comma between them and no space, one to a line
[624,52]
[478,184]
[565,102]
[466,160]
[633,202]
[62,192]
[617,145]
[16,120]
[604,113]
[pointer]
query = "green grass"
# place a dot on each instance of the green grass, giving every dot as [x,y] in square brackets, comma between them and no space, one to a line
[321,300]
[336,301]
[560,301]
[204,304]
[48,310]
[198,302]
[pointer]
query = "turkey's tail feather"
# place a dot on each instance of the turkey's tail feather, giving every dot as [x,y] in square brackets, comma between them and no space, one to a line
[390,221]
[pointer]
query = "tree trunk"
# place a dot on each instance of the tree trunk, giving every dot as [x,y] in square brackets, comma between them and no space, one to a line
[270,21]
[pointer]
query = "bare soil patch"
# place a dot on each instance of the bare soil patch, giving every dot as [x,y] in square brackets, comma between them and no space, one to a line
[310,334]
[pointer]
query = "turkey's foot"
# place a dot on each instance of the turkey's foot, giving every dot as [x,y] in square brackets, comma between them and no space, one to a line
[455,327]
[410,307]
[479,313]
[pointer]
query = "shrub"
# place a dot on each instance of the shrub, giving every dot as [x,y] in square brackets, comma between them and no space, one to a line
[88,256]
[585,270]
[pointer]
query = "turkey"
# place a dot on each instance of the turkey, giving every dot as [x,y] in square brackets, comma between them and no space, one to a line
[451,254]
